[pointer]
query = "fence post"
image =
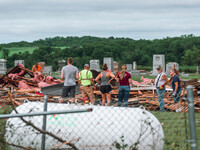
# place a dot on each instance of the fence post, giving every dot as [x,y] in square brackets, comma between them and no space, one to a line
[44,123]
[190,98]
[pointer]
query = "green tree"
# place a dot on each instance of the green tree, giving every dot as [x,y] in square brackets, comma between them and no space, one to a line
[5,53]
[1,53]
[183,50]
[191,56]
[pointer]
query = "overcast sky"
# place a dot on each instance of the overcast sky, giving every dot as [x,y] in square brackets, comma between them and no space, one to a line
[29,20]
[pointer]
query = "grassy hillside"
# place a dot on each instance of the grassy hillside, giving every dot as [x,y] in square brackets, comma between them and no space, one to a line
[17,50]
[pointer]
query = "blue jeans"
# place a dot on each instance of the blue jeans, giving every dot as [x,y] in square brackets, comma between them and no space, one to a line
[123,94]
[176,98]
[160,94]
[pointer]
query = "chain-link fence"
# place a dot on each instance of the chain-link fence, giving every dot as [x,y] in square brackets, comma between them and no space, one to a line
[102,128]
[197,123]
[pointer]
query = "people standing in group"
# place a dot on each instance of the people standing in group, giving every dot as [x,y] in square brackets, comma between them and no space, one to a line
[69,73]
[160,82]
[106,77]
[124,79]
[86,80]
[37,67]
[176,86]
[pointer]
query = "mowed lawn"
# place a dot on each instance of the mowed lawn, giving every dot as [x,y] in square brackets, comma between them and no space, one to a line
[17,50]
[174,129]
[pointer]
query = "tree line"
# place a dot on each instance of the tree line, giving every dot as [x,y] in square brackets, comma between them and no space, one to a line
[184,50]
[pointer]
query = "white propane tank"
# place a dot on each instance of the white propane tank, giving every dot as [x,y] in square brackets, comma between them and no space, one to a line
[103,128]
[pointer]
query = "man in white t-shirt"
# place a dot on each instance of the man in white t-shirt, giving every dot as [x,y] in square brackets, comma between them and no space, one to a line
[160,82]
[69,73]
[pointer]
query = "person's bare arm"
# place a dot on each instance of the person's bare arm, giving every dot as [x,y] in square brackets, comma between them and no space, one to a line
[62,76]
[33,69]
[164,77]
[175,90]
[92,81]
[79,83]
[176,87]
[97,78]
[77,75]
[42,70]
[130,81]
[112,77]
[117,80]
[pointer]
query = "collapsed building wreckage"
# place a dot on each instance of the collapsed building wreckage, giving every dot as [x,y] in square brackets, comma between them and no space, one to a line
[141,94]
[23,87]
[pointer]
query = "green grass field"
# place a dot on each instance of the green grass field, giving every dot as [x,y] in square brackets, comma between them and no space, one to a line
[3,146]
[17,50]
[192,76]
[174,129]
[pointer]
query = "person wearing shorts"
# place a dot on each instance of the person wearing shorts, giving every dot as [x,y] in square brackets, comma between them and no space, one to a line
[69,73]
[106,77]
[176,86]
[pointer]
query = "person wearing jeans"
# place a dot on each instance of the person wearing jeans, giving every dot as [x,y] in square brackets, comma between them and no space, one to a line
[160,82]
[123,94]
[176,86]
[160,94]
[124,79]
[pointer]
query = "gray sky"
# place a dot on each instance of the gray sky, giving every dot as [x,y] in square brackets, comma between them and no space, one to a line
[29,20]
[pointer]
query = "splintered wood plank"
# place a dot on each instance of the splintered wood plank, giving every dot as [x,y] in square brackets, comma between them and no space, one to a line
[27,97]
[197,109]
[133,100]
[115,93]
[18,80]
[29,90]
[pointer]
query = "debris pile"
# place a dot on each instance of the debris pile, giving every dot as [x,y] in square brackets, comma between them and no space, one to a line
[145,95]
[17,80]
[25,84]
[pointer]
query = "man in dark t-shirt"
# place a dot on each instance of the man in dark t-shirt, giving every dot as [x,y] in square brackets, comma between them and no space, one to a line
[176,86]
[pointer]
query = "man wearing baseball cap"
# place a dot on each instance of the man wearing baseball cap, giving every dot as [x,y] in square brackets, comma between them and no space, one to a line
[86,80]
[160,82]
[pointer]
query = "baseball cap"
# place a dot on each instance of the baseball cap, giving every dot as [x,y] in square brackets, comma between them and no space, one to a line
[159,67]
[86,65]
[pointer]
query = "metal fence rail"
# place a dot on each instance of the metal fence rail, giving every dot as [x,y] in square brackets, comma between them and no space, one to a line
[193,137]
[70,126]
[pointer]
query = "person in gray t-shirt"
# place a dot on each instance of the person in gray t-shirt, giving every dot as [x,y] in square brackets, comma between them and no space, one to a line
[69,73]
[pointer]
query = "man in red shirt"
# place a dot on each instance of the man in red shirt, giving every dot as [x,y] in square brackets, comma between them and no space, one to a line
[124,79]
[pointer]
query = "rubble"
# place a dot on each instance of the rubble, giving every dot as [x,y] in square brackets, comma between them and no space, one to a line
[16,79]
[26,85]
[23,87]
